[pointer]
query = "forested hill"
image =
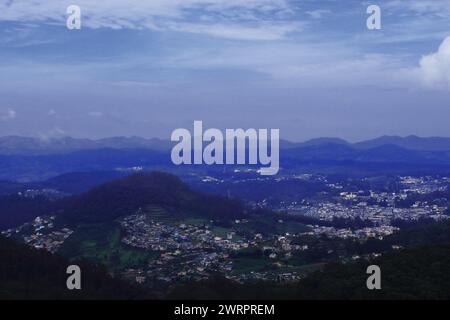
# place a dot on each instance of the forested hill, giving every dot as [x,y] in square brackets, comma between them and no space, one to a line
[407,274]
[126,195]
[28,273]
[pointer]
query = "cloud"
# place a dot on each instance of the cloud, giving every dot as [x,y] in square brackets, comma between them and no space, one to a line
[96,114]
[302,65]
[237,19]
[55,132]
[435,67]
[6,115]
[239,32]
[439,8]
[318,14]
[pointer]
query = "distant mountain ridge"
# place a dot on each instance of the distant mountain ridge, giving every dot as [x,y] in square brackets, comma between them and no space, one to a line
[22,162]
[410,142]
[16,145]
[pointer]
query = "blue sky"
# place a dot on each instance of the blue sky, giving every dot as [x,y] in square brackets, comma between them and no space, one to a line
[147,67]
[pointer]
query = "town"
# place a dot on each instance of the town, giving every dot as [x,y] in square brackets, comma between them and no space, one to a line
[194,249]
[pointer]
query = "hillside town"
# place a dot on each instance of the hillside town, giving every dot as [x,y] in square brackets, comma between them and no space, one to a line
[41,233]
[195,249]
[378,208]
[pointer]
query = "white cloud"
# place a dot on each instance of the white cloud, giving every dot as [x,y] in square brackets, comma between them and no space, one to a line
[303,64]
[435,67]
[318,14]
[96,114]
[55,132]
[6,115]
[240,19]
[262,32]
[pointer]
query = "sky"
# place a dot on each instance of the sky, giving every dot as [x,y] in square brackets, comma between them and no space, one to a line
[310,68]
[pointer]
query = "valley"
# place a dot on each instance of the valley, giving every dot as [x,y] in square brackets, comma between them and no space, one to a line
[166,232]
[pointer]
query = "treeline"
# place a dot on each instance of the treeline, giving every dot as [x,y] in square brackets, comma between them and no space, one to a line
[441,198]
[336,222]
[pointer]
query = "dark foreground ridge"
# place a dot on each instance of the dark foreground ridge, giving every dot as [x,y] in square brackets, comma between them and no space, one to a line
[28,273]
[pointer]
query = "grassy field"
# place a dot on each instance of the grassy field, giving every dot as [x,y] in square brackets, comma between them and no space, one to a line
[249,264]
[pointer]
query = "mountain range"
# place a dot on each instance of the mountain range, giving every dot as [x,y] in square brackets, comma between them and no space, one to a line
[17,145]
[30,159]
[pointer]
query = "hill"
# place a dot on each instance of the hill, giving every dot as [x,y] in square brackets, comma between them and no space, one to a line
[27,273]
[126,195]
[410,142]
